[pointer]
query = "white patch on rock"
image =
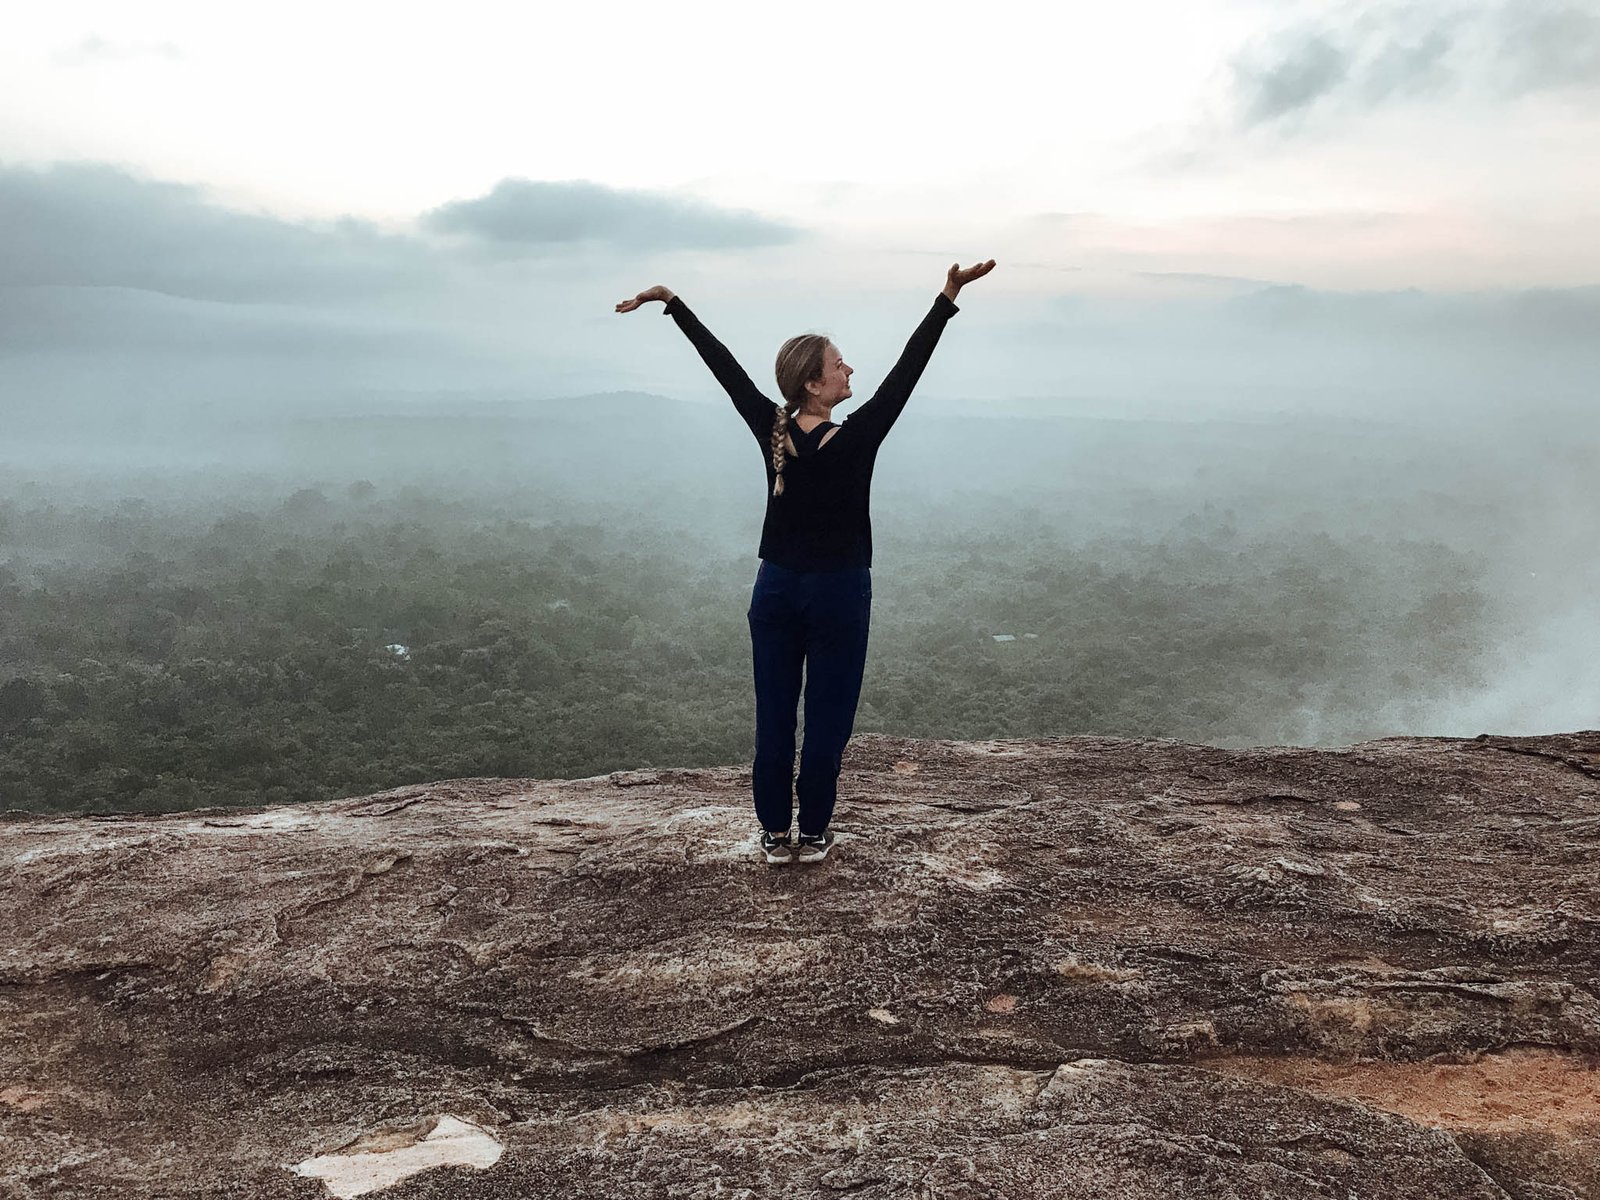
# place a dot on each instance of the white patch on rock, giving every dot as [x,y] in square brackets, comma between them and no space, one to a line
[967,874]
[278,818]
[381,1159]
[97,846]
[283,817]
[1004,749]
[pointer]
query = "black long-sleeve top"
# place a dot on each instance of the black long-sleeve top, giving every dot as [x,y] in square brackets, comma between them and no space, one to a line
[822,521]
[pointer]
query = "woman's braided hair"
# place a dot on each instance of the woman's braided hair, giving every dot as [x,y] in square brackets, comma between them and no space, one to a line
[800,361]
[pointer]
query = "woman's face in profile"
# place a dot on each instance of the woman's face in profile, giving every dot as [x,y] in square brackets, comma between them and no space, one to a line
[835,377]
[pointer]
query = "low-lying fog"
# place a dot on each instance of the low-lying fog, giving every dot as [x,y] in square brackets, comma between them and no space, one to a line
[214,606]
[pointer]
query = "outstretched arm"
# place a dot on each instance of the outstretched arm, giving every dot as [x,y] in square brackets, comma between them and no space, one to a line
[877,416]
[756,409]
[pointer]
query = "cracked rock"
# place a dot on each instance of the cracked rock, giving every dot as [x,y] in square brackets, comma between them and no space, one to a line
[1071,967]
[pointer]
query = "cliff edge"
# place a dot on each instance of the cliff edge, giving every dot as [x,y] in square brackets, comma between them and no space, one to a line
[1074,967]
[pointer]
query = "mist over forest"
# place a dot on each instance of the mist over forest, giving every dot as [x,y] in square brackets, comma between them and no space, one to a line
[244,604]
[296,508]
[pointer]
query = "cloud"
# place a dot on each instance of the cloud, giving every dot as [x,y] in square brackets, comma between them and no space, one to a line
[1554,46]
[91,224]
[1360,59]
[110,346]
[1408,354]
[114,283]
[1291,77]
[94,49]
[1204,279]
[77,320]
[1520,320]
[98,225]
[531,214]
[111,283]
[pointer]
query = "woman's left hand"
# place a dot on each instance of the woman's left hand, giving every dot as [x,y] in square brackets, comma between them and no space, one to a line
[958,279]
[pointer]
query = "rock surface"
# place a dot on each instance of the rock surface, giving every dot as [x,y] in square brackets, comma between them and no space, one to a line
[1075,967]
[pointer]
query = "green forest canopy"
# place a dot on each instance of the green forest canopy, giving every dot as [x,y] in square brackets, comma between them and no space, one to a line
[331,646]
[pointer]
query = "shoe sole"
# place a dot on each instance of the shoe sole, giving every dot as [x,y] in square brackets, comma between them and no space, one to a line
[812,855]
[778,860]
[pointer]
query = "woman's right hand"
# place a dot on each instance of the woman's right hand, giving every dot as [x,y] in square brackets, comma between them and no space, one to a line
[656,293]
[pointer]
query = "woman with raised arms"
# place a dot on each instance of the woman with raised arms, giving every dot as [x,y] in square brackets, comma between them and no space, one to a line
[812,599]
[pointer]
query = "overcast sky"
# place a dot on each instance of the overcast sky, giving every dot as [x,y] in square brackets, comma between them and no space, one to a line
[1206,205]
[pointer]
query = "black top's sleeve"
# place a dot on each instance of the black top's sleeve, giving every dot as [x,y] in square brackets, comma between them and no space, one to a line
[877,415]
[758,412]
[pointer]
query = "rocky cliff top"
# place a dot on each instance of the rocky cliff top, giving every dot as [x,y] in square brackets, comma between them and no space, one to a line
[1076,967]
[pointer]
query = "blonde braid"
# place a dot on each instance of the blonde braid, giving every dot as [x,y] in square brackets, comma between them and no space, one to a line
[800,362]
[780,429]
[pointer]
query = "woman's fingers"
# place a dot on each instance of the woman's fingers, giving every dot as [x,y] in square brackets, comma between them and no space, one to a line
[973,272]
[656,293]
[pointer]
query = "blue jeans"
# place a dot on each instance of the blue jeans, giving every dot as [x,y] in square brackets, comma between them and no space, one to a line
[819,619]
